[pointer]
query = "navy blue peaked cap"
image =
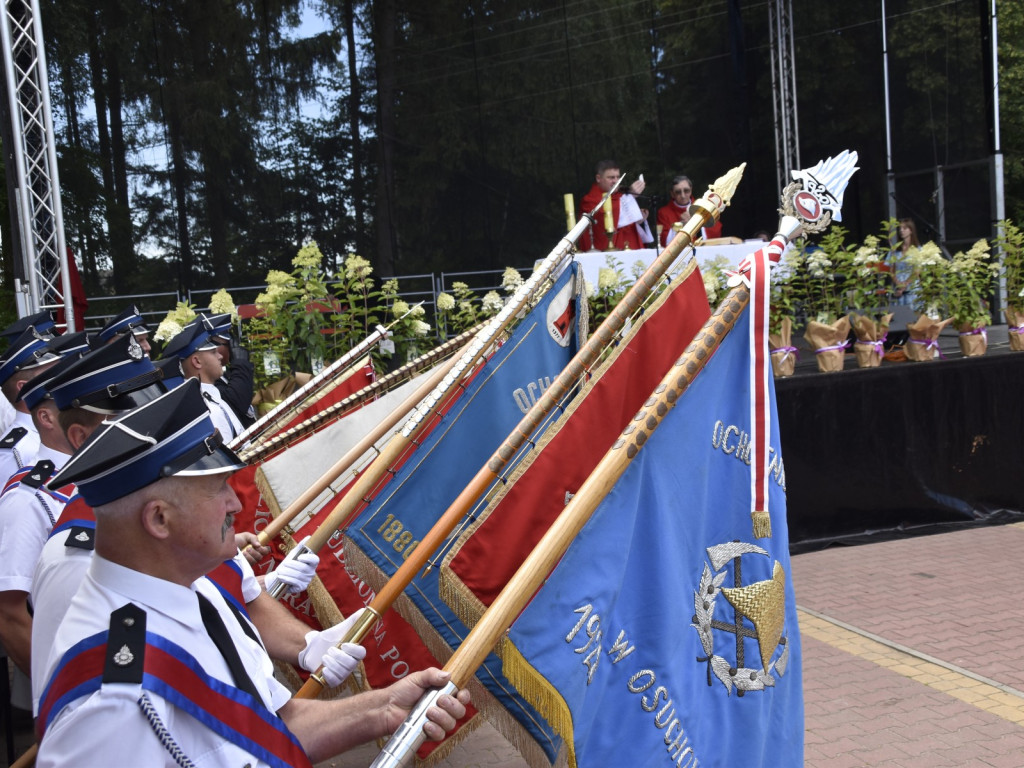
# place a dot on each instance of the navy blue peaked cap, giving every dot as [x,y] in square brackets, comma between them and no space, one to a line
[112,379]
[41,321]
[128,320]
[66,351]
[29,350]
[220,326]
[170,436]
[195,337]
[69,343]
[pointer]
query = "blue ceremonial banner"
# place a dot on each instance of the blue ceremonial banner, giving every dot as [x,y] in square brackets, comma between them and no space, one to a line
[494,403]
[667,635]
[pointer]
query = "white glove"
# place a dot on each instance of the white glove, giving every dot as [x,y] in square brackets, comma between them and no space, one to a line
[295,571]
[322,650]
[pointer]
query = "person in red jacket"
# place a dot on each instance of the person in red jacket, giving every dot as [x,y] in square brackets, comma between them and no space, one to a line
[678,209]
[629,221]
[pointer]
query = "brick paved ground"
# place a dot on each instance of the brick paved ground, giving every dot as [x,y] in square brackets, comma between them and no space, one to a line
[913,657]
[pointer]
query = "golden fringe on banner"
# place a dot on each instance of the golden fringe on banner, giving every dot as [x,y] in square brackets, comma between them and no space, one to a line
[483,700]
[544,697]
[460,598]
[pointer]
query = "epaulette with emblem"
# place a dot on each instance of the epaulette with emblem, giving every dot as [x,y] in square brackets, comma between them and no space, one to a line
[11,438]
[39,474]
[81,537]
[126,645]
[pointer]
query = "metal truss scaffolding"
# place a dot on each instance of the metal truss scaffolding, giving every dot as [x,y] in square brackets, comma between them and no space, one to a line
[787,137]
[36,210]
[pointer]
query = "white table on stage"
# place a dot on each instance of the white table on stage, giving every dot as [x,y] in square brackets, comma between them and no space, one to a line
[593,261]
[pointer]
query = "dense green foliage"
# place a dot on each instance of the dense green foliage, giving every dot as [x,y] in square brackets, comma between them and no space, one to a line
[201,143]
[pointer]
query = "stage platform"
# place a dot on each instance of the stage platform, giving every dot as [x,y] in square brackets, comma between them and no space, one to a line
[904,448]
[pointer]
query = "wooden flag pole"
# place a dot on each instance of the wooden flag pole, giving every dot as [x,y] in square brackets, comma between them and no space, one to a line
[288,406]
[707,208]
[490,629]
[281,522]
[283,440]
[463,367]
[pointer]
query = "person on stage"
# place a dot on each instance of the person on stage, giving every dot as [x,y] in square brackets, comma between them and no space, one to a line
[678,210]
[624,216]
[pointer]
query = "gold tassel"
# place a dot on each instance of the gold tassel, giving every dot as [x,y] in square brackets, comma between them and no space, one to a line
[762,524]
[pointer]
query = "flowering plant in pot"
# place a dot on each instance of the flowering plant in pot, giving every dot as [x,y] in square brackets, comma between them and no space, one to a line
[868,296]
[785,304]
[929,280]
[1011,245]
[969,285]
[824,280]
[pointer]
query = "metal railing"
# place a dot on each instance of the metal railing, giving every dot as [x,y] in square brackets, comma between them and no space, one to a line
[413,289]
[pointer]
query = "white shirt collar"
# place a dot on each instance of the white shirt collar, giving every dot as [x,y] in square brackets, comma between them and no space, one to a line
[173,600]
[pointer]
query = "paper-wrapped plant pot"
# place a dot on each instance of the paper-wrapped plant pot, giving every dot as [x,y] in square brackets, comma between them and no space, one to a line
[783,354]
[1015,328]
[829,343]
[869,347]
[923,344]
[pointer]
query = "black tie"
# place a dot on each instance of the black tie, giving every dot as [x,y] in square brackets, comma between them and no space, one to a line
[219,634]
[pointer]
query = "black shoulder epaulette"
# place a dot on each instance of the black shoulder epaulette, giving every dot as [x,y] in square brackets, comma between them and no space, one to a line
[11,438]
[39,474]
[126,645]
[81,537]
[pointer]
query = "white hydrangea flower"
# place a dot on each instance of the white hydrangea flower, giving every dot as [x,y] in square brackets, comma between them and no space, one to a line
[167,330]
[357,268]
[492,302]
[511,279]
[445,302]
[819,265]
[277,277]
[308,256]
[221,302]
[607,279]
[420,328]
[711,288]
[399,307]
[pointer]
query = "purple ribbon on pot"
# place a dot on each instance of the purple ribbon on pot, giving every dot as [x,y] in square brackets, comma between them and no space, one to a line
[929,344]
[976,332]
[878,345]
[1018,329]
[786,352]
[844,345]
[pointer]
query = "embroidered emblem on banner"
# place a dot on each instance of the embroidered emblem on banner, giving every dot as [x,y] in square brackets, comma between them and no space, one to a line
[560,315]
[759,612]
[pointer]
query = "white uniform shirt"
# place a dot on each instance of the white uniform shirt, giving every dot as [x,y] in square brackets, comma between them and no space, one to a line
[26,517]
[59,573]
[223,417]
[107,727]
[7,414]
[24,451]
